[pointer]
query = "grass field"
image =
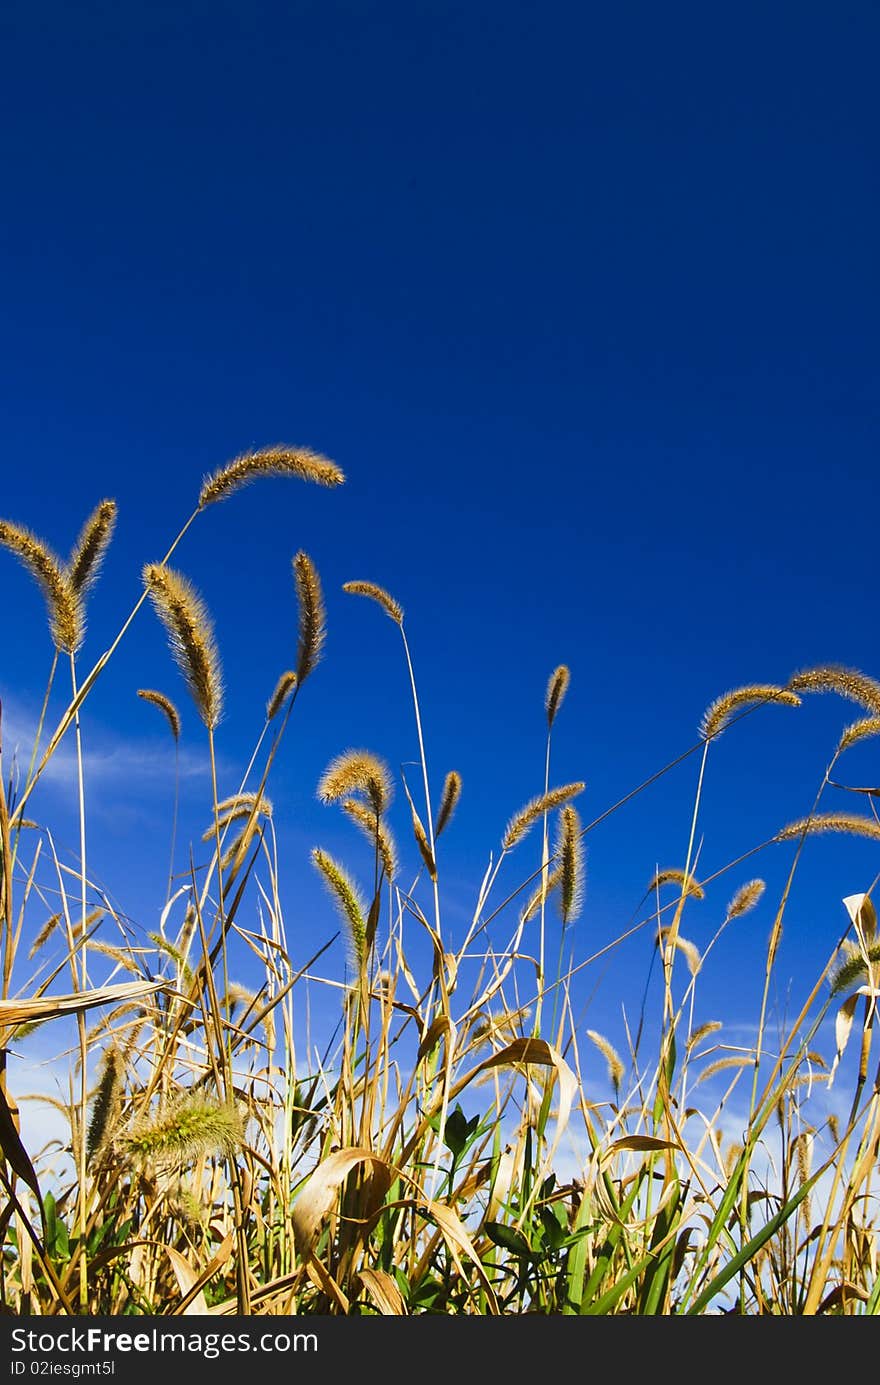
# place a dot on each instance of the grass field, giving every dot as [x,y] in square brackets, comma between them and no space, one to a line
[421,1162]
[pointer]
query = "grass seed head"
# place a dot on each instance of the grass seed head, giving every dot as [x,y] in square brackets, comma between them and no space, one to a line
[719,713]
[528,815]
[846,682]
[91,547]
[283,689]
[191,637]
[312,616]
[166,707]
[391,607]
[557,687]
[279,460]
[63,602]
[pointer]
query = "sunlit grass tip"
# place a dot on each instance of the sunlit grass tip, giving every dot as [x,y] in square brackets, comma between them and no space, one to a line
[376,833]
[391,607]
[557,687]
[851,823]
[166,707]
[278,460]
[612,1058]
[570,853]
[312,616]
[850,683]
[63,602]
[745,899]
[686,883]
[349,903]
[191,637]
[528,815]
[448,801]
[91,546]
[718,713]
[357,771]
[283,690]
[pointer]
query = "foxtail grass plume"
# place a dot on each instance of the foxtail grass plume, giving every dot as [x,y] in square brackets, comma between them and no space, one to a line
[688,950]
[190,1127]
[557,687]
[191,637]
[448,801]
[63,602]
[611,1056]
[423,844]
[745,899]
[312,619]
[852,823]
[858,731]
[703,1032]
[357,771]
[852,969]
[846,682]
[279,460]
[349,903]
[528,815]
[44,935]
[534,901]
[283,689]
[570,852]
[719,713]
[391,607]
[686,883]
[166,707]
[106,1105]
[376,833]
[91,546]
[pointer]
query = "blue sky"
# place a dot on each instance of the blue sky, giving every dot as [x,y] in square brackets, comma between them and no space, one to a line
[582,299]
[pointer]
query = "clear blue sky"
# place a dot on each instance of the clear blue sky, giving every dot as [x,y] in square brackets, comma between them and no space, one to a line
[584,301]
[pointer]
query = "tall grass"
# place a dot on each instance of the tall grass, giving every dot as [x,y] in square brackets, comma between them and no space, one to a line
[447,1143]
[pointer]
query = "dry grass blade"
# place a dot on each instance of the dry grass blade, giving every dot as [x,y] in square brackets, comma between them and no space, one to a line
[718,714]
[191,637]
[391,607]
[49,1006]
[312,619]
[528,815]
[279,460]
[166,707]
[62,601]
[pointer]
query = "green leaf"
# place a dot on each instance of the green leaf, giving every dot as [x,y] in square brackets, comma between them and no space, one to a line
[508,1239]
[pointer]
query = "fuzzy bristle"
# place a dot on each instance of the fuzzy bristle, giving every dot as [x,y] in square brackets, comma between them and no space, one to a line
[611,1056]
[279,460]
[746,897]
[283,689]
[718,714]
[312,619]
[528,815]
[63,603]
[91,546]
[191,637]
[349,903]
[375,832]
[357,771]
[851,823]
[570,851]
[534,902]
[557,687]
[391,607]
[165,705]
[106,1104]
[859,731]
[448,801]
[686,883]
[846,682]
[191,1126]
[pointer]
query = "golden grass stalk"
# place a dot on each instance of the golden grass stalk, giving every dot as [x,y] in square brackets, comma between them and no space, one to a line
[448,801]
[166,707]
[279,460]
[191,637]
[62,601]
[557,687]
[570,850]
[283,689]
[719,712]
[190,1127]
[349,903]
[745,899]
[238,806]
[312,619]
[528,815]
[611,1056]
[858,731]
[91,546]
[357,771]
[846,682]
[107,1104]
[375,832]
[686,883]
[391,607]
[852,823]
